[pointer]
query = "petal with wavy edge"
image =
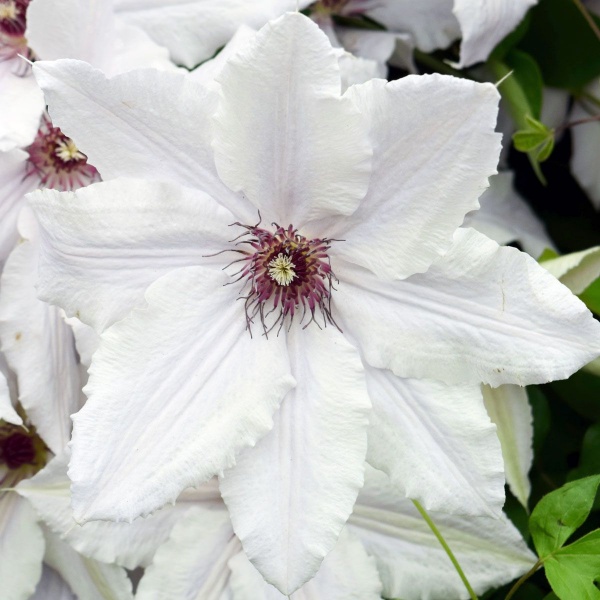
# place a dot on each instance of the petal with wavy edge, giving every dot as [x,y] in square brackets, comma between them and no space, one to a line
[103,245]
[176,390]
[130,126]
[126,544]
[53,586]
[505,217]
[194,30]
[319,442]
[193,562]
[485,24]
[577,270]
[7,411]
[295,148]
[411,562]
[509,409]
[436,443]
[431,162]
[21,547]
[347,573]
[87,340]
[40,349]
[86,577]
[21,107]
[482,313]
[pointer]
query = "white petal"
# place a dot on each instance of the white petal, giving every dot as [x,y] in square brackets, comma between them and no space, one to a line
[126,544]
[482,313]
[291,144]
[104,244]
[577,270]
[176,390]
[347,573]
[509,409]
[318,443]
[354,69]
[87,578]
[192,564]
[436,443]
[40,349]
[434,149]
[194,30]
[7,412]
[52,586]
[411,562]
[130,126]
[505,217]
[21,547]
[87,340]
[485,24]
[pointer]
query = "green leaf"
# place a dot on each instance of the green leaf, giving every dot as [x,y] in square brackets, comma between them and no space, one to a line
[526,140]
[559,514]
[580,392]
[591,296]
[563,44]
[572,570]
[589,460]
[545,150]
[529,76]
[548,254]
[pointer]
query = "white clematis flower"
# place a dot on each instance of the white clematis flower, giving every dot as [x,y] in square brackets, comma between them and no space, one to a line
[179,390]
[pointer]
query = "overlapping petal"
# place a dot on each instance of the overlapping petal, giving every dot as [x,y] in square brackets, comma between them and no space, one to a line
[294,147]
[436,443]
[156,423]
[103,245]
[420,126]
[576,270]
[7,411]
[52,585]
[482,313]
[291,494]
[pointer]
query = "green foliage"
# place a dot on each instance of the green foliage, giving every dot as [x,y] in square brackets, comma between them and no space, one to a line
[536,138]
[591,296]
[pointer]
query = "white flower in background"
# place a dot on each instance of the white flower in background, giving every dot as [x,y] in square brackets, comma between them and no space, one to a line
[179,387]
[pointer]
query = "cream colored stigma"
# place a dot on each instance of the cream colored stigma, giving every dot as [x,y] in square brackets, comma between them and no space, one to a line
[281,269]
[8,11]
[67,150]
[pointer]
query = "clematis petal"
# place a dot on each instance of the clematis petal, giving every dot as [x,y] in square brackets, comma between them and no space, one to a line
[52,585]
[104,244]
[294,147]
[125,131]
[509,409]
[485,24]
[86,577]
[40,349]
[482,313]
[347,573]
[7,411]
[285,527]
[126,544]
[411,561]
[577,270]
[194,30]
[87,340]
[436,443]
[420,190]
[193,562]
[21,547]
[155,422]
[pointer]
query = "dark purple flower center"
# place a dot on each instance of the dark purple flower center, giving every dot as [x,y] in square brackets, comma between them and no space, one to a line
[22,453]
[18,450]
[12,17]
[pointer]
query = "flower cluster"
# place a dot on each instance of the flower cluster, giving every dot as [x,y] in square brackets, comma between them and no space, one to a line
[290,407]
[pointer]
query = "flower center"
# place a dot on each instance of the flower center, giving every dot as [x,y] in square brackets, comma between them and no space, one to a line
[340,7]
[287,275]
[57,161]
[12,17]
[22,453]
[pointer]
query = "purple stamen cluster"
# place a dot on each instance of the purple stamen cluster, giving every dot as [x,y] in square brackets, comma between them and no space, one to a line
[12,28]
[22,453]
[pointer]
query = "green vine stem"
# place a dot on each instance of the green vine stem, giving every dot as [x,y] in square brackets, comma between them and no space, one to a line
[446,548]
[588,17]
[523,579]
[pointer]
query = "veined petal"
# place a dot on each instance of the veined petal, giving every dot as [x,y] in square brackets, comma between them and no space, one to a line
[21,547]
[482,313]
[577,270]
[52,585]
[347,573]
[7,411]
[434,149]
[411,562]
[509,409]
[437,444]
[157,422]
[126,544]
[484,24]
[296,148]
[194,30]
[193,562]
[86,577]
[318,442]
[103,245]
[40,349]
[129,126]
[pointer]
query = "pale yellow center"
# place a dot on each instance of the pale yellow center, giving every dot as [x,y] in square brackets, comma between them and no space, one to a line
[67,151]
[281,270]
[8,11]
